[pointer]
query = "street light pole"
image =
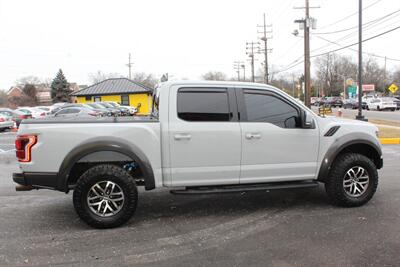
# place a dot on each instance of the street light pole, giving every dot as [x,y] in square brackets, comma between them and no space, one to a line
[359,115]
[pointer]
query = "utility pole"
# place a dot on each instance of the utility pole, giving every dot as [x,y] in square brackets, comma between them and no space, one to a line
[264,38]
[130,66]
[384,78]
[293,85]
[243,66]
[360,89]
[237,65]
[251,47]
[307,23]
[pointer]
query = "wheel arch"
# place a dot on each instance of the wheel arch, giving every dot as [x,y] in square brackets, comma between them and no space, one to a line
[95,151]
[357,143]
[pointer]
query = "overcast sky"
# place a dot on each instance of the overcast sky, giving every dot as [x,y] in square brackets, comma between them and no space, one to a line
[183,38]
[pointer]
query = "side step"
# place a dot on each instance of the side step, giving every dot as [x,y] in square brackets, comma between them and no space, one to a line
[243,188]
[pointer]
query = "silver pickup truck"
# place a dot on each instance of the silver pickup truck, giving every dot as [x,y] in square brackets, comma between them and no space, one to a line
[202,137]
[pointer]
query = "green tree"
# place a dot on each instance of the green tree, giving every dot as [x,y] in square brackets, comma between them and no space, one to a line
[60,88]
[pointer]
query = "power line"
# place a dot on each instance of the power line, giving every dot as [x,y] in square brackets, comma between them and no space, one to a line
[349,16]
[352,49]
[351,35]
[365,40]
[338,49]
[365,24]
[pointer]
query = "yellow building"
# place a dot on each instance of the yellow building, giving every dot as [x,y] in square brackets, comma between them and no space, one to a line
[120,90]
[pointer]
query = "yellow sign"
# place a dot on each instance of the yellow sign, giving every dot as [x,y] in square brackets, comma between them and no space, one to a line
[349,82]
[393,88]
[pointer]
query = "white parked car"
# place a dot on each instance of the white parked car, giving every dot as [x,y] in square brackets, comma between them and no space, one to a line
[202,137]
[5,122]
[384,103]
[34,112]
[46,109]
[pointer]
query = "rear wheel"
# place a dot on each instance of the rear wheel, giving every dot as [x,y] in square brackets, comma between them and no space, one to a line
[378,108]
[352,181]
[105,196]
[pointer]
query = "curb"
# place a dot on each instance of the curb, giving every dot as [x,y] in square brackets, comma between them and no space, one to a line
[390,141]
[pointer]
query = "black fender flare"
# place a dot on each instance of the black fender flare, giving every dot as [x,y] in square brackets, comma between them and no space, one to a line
[85,149]
[343,142]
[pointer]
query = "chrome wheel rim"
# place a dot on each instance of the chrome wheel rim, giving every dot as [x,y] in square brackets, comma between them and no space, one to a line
[356,181]
[105,198]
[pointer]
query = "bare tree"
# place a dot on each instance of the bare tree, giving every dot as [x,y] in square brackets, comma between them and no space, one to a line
[28,80]
[374,74]
[332,70]
[30,92]
[148,80]
[3,98]
[99,76]
[214,76]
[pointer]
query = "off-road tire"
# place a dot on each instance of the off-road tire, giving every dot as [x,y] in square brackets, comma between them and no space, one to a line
[334,184]
[105,172]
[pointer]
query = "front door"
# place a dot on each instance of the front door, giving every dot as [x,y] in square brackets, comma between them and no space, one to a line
[275,147]
[205,137]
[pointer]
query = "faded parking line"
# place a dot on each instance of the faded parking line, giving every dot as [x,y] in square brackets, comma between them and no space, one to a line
[6,151]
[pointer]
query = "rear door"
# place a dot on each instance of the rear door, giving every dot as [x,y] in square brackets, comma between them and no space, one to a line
[205,137]
[275,147]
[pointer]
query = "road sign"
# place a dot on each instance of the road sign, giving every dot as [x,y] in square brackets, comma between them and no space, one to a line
[349,82]
[352,91]
[393,88]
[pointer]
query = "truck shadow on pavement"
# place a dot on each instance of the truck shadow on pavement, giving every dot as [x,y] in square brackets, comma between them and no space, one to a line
[160,205]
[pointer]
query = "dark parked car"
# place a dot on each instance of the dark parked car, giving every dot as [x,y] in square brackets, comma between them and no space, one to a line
[114,111]
[334,101]
[353,104]
[16,115]
[124,110]
[104,110]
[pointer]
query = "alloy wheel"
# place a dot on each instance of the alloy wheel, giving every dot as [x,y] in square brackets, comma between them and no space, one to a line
[105,198]
[356,181]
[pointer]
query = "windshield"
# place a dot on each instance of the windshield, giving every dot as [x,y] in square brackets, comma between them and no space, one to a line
[113,104]
[106,105]
[93,105]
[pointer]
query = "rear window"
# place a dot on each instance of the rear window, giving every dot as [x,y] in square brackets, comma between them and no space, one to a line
[203,104]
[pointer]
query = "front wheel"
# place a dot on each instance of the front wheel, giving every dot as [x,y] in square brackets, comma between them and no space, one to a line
[105,196]
[353,180]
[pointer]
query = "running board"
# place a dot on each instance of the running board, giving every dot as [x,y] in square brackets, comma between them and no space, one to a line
[243,188]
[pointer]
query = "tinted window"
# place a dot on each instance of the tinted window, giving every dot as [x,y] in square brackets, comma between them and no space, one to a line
[74,110]
[268,108]
[63,111]
[203,105]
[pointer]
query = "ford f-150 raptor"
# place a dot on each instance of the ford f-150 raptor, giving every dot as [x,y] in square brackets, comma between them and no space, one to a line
[201,137]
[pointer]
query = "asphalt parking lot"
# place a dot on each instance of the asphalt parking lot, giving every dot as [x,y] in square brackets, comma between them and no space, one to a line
[277,228]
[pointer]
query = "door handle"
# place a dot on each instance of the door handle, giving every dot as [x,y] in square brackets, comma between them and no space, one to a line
[182,136]
[253,136]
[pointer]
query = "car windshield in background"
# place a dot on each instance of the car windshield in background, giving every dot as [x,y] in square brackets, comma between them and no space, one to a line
[113,104]
[106,105]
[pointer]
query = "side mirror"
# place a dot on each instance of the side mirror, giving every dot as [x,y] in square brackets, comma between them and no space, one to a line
[308,120]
